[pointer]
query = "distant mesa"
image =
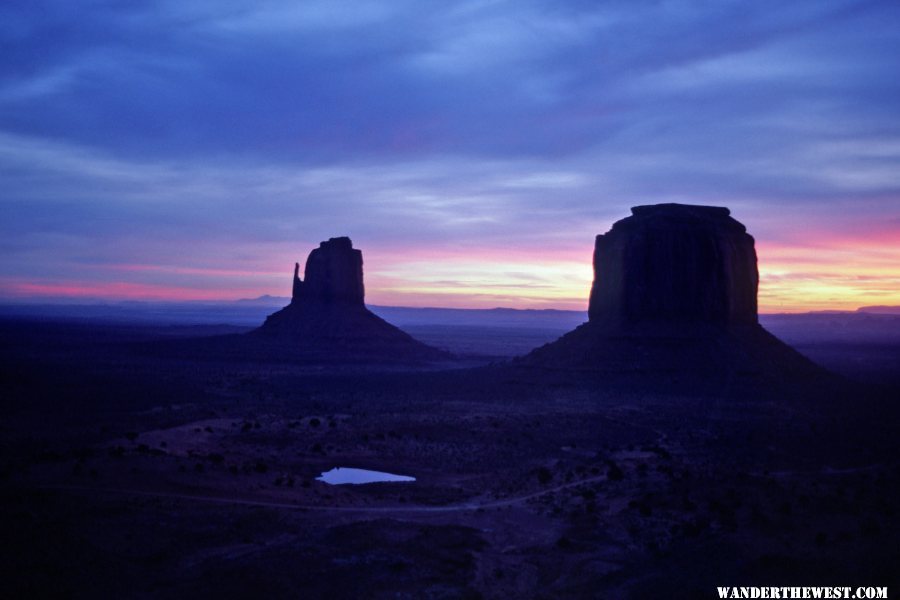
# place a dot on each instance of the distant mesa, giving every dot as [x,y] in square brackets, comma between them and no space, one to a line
[327,316]
[674,290]
[879,310]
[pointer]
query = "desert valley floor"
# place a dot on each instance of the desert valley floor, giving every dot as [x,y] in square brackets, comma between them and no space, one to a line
[128,470]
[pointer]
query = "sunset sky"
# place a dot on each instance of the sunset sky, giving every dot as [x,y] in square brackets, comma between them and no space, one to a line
[195,149]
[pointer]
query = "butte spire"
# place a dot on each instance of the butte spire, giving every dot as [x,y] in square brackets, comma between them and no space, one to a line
[327,317]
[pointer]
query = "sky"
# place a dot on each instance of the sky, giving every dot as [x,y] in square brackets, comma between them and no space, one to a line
[195,149]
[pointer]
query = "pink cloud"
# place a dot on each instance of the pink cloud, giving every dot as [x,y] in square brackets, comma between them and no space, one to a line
[209,271]
[115,290]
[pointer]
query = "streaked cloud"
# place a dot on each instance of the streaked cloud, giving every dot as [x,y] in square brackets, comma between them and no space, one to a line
[458,143]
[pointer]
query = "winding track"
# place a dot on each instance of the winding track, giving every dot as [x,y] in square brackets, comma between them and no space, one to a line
[465,506]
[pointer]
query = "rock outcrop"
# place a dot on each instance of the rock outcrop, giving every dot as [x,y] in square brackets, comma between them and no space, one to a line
[328,319]
[675,263]
[674,291]
[334,276]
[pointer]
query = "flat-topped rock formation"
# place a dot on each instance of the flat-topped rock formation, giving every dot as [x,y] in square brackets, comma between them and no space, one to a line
[674,291]
[334,276]
[675,263]
[328,317]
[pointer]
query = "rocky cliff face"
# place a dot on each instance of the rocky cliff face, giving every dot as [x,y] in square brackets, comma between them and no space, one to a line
[675,263]
[334,275]
[674,292]
[327,317]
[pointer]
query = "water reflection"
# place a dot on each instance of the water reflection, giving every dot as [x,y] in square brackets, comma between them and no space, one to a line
[339,476]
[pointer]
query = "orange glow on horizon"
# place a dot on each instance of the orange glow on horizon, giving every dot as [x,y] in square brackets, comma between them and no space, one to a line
[830,274]
[822,274]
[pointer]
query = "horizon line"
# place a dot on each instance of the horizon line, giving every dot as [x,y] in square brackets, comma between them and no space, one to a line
[62,301]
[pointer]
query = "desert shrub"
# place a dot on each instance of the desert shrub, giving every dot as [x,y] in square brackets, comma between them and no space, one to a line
[544,476]
[659,451]
[614,473]
[870,527]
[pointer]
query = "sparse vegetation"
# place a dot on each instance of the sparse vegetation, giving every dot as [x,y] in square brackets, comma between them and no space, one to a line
[544,475]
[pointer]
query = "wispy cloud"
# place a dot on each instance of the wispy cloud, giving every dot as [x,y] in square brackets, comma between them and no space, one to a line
[206,139]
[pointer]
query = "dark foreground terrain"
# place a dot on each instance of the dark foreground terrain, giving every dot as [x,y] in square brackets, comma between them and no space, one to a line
[132,472]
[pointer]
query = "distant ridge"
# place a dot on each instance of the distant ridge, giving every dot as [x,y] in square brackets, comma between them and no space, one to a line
[881,310]
[265,299]
[250,311]
[495,317]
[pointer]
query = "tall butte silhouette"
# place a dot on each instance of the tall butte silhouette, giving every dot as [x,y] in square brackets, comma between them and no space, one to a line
[674,291]
[327,316]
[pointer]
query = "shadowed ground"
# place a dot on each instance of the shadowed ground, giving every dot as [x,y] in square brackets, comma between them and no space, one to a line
[130,474]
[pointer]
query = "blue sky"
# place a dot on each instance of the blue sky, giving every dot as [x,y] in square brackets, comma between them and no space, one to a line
[189,149]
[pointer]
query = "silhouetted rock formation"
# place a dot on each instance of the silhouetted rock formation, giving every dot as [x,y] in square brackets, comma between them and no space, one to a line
[333,276]
[327,316]
[674,291]
[675,263]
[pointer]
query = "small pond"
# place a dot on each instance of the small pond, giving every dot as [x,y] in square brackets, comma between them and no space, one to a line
[342,475]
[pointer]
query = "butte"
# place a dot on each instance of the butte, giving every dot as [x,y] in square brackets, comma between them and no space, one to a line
[328,319]
[674,293]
